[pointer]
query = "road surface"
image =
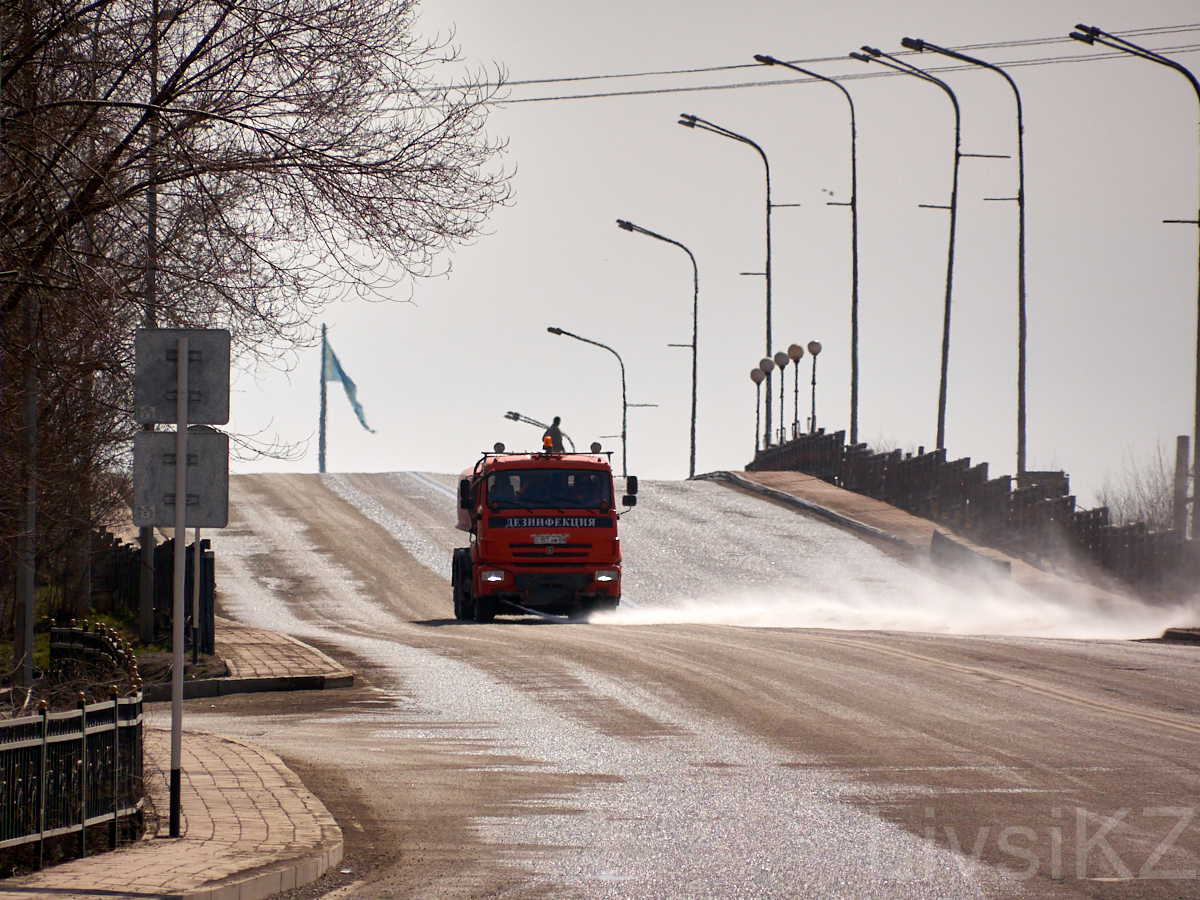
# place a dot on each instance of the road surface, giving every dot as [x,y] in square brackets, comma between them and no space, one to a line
[734,730]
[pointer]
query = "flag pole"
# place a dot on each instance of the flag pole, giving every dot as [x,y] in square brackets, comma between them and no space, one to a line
[321,439]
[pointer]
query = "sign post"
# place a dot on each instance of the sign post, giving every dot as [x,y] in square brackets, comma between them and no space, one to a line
[181,416]
[200,391]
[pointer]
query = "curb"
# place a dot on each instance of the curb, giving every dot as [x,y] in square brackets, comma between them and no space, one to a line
[291,874]
[266,884]
[221,687]
[807,506]
[950,554]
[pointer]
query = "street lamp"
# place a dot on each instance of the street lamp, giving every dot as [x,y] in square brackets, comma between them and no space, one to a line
[920,45]
[853,204]
[691,121]
[767,365]
[624,405]
[884,59]
[757,376]
[781,360]
[796,353]
[1091,35]
[629,226]
[814,350]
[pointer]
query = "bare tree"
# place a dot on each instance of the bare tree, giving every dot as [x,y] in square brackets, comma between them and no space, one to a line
[232,163]
[299,148]
[1143,491]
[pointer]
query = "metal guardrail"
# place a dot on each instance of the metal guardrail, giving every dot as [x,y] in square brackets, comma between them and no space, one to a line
[64,772]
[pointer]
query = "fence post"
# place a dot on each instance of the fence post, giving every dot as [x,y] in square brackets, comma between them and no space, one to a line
[44,710]
[1181,480]
[137,771]
[114,800]
[81,703]
[208,600]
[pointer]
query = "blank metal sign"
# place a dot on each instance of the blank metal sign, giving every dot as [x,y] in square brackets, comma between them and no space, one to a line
[154,387]
[154,479]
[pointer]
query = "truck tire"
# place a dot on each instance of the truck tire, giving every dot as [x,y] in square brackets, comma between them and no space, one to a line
[460,580]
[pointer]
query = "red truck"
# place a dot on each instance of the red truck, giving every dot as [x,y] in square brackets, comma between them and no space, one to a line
[543,535]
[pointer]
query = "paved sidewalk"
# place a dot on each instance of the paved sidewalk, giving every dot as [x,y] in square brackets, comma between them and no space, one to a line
[257,653]
[261,660]
[250,829]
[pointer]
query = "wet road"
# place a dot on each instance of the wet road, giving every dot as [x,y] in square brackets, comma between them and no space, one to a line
[731,731]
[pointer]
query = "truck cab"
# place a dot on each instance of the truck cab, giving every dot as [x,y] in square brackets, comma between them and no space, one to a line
[543,532]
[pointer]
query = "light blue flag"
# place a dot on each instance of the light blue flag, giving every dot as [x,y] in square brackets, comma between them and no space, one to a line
[332,371]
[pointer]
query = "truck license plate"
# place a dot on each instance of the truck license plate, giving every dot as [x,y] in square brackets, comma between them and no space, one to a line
[549,538]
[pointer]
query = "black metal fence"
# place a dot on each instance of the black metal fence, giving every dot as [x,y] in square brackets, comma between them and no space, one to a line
[64,772]
[116,568]
[1037,518]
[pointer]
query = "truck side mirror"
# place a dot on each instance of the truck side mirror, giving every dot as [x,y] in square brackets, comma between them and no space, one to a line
[631,487]
[629,500]
[464,494]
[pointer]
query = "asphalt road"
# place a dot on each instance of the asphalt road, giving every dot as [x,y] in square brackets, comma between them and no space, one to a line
[732,731]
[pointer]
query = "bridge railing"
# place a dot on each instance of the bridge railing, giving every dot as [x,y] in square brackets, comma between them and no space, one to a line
[1036,518]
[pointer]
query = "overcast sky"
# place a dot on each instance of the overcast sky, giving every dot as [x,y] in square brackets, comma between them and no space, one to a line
[1110,148]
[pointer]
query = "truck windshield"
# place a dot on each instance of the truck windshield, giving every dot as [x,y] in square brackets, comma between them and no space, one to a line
[549,488]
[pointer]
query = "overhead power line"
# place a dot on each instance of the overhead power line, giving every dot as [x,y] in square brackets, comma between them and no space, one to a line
[1043,61]
[817,60]
[1027,42]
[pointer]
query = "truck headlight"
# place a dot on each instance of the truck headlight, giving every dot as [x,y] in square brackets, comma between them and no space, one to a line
[491,575]
[606,575]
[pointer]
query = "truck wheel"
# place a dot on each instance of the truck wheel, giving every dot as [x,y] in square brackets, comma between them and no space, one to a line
[460,579]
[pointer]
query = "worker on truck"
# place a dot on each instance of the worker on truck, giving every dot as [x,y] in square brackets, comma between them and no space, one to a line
[544,535]
[555,436]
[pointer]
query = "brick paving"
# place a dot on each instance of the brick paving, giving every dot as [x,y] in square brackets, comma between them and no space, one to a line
[258,653]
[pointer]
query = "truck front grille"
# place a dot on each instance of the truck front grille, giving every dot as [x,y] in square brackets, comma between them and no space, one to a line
[550,551]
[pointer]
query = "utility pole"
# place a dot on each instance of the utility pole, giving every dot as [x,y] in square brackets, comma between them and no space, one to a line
[321,438]
[146,534]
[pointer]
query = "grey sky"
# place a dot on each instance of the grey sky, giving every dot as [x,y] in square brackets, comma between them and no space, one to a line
[1111,151]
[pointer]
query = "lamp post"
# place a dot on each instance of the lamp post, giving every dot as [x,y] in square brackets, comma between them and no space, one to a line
[1089,34]
[624,405]
[814,350]
[781,360]
[884,59]
[757,376]
[853,204]
[767,365]
[691,121]
[921,45]
[796,353]
[629,226]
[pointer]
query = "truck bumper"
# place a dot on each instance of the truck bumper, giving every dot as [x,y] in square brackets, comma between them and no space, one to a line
[557,592]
